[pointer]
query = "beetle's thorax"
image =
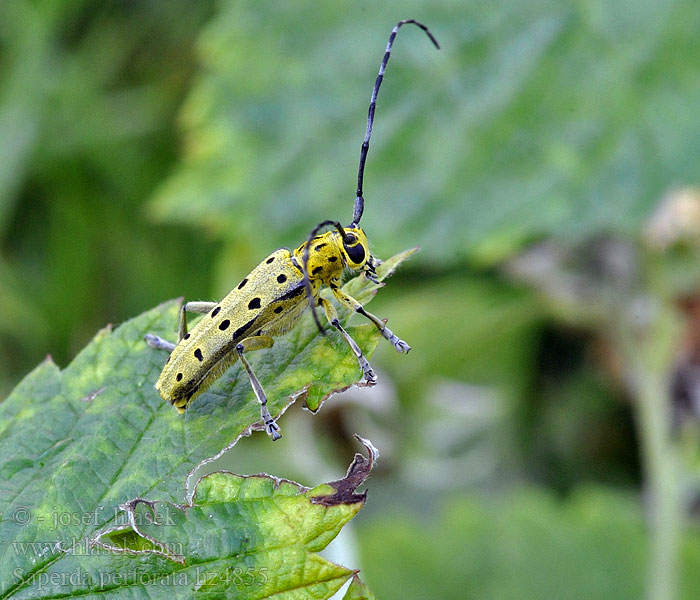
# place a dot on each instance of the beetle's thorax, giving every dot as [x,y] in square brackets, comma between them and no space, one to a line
[326,260]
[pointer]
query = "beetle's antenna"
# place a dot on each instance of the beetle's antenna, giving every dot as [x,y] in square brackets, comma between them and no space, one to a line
[305,267]
[359,199]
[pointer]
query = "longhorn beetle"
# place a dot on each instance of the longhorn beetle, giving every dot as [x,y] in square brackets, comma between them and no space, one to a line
[270,300]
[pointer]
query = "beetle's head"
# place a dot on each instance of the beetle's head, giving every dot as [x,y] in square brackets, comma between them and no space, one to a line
[355,247]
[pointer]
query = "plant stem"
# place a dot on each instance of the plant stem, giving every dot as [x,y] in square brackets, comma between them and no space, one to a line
[648,359]
[661,468]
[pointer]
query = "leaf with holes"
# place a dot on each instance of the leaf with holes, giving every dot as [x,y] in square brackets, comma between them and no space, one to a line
[241,537]
[78,443]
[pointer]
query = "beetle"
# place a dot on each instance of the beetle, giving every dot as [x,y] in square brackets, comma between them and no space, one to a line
[270,300]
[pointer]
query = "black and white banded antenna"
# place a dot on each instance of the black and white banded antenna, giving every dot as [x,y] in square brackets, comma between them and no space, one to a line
[359,198]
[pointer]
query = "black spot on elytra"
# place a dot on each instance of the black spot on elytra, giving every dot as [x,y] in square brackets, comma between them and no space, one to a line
[317,248]
[281,278]
[198,355]
[254,303]
[186,336]
[241,330]
[224,324]
[317,270]
[293,293]
[332,258]
[269,260]
[242,283]
[215,311]
[278,309]
[179,377]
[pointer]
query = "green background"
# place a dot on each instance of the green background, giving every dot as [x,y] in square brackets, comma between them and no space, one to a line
[160,149]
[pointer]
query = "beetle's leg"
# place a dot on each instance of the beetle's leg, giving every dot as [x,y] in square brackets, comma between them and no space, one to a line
[195,307]
[353,304]
[367,372]
[247,345]
[159,343]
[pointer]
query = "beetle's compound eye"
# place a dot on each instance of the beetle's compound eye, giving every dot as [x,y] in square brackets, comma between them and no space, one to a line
[350,239]
[355,253]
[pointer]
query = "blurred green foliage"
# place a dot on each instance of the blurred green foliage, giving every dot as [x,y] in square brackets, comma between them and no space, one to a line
[564,119]
[156,149]
[528,546]
[89,92]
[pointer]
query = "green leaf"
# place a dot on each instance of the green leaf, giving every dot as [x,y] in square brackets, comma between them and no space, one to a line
[241,537]
[78,443]
[358,590]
